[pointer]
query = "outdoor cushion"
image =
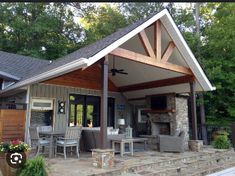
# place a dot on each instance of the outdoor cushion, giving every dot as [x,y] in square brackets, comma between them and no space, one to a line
[67,142]
[115,131]
[109,131]
[44,141]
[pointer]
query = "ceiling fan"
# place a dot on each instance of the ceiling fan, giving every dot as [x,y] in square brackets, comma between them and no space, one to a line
[114,70]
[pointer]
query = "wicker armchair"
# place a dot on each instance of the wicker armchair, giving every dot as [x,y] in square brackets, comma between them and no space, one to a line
[71,139]
[172,143]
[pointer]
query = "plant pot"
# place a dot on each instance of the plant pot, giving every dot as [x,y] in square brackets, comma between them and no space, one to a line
[5,168]
[219,133]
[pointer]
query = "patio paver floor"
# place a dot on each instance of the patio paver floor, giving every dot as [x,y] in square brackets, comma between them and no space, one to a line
[83,166]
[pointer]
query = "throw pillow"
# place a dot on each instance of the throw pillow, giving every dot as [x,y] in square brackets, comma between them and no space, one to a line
[177,132]
[115,131]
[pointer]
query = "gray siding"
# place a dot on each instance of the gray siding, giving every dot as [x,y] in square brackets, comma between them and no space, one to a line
[62,93]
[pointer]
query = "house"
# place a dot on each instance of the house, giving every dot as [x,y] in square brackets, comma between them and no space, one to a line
[144,69]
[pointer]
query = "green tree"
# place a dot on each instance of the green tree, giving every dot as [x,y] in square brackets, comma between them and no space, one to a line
[100,21]
[43,30]
[218,54]
[135,11]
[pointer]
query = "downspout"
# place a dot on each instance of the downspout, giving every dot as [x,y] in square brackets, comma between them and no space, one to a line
[28,116]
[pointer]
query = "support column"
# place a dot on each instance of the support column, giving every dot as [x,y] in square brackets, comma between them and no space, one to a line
[203,119]
[193,110]
[104,104]
[28,116]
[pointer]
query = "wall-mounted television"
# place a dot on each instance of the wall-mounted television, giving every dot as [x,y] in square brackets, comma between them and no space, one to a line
[158,102]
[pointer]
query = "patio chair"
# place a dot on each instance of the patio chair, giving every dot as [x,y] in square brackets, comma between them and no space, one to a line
[172,143]
[44,128]
[71,139]
[39,142]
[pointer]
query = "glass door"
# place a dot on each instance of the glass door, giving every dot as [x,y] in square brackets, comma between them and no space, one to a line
[85,111]
[92,111]
[76,111]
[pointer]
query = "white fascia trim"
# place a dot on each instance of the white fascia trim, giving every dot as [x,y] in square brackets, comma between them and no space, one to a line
[81,63]
[199,70]
[126,37]
[8,75]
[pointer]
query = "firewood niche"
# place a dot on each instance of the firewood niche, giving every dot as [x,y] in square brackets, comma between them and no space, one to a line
[160,103]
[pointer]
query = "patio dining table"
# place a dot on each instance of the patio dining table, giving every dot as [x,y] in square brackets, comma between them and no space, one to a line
[52,135]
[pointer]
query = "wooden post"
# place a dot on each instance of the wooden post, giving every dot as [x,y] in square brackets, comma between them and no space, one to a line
[104,104]
[193,110]
[28,117]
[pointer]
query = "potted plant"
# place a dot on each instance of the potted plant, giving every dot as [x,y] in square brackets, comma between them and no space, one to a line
[15,147]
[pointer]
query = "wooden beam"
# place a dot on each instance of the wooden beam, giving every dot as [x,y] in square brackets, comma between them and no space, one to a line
[168,52]
[157,83]
[149,61]
[136,99]
[158,40]
[146,44]
[151,95]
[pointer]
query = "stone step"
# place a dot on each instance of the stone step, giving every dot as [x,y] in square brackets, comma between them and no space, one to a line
[195,167]
[191,164]
[160,171]
[209,162]
[207,170]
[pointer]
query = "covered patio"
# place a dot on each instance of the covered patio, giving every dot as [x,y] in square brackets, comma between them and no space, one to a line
[133,66]
[146,68]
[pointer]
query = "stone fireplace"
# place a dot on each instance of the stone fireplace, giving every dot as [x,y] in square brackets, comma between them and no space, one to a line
[174,118]
[162,123]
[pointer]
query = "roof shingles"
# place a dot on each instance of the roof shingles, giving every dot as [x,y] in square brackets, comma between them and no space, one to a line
[20,66]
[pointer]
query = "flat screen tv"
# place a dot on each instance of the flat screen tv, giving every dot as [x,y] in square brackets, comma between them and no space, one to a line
[159,103]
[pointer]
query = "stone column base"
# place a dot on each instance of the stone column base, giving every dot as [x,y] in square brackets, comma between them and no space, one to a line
[103,157]
[195,145]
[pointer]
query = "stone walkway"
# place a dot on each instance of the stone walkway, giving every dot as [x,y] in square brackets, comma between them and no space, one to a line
[143,163]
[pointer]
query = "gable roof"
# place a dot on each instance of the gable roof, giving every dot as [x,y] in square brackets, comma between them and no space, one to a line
[86,56]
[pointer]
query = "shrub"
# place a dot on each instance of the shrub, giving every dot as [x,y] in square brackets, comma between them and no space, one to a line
[221,142]
[36,166]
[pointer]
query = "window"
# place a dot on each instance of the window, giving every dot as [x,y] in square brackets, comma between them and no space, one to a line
[85,111]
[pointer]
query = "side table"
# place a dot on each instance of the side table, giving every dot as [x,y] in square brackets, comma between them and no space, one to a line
[122,143]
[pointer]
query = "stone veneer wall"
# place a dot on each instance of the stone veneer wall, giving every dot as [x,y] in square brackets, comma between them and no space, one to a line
[182,117]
